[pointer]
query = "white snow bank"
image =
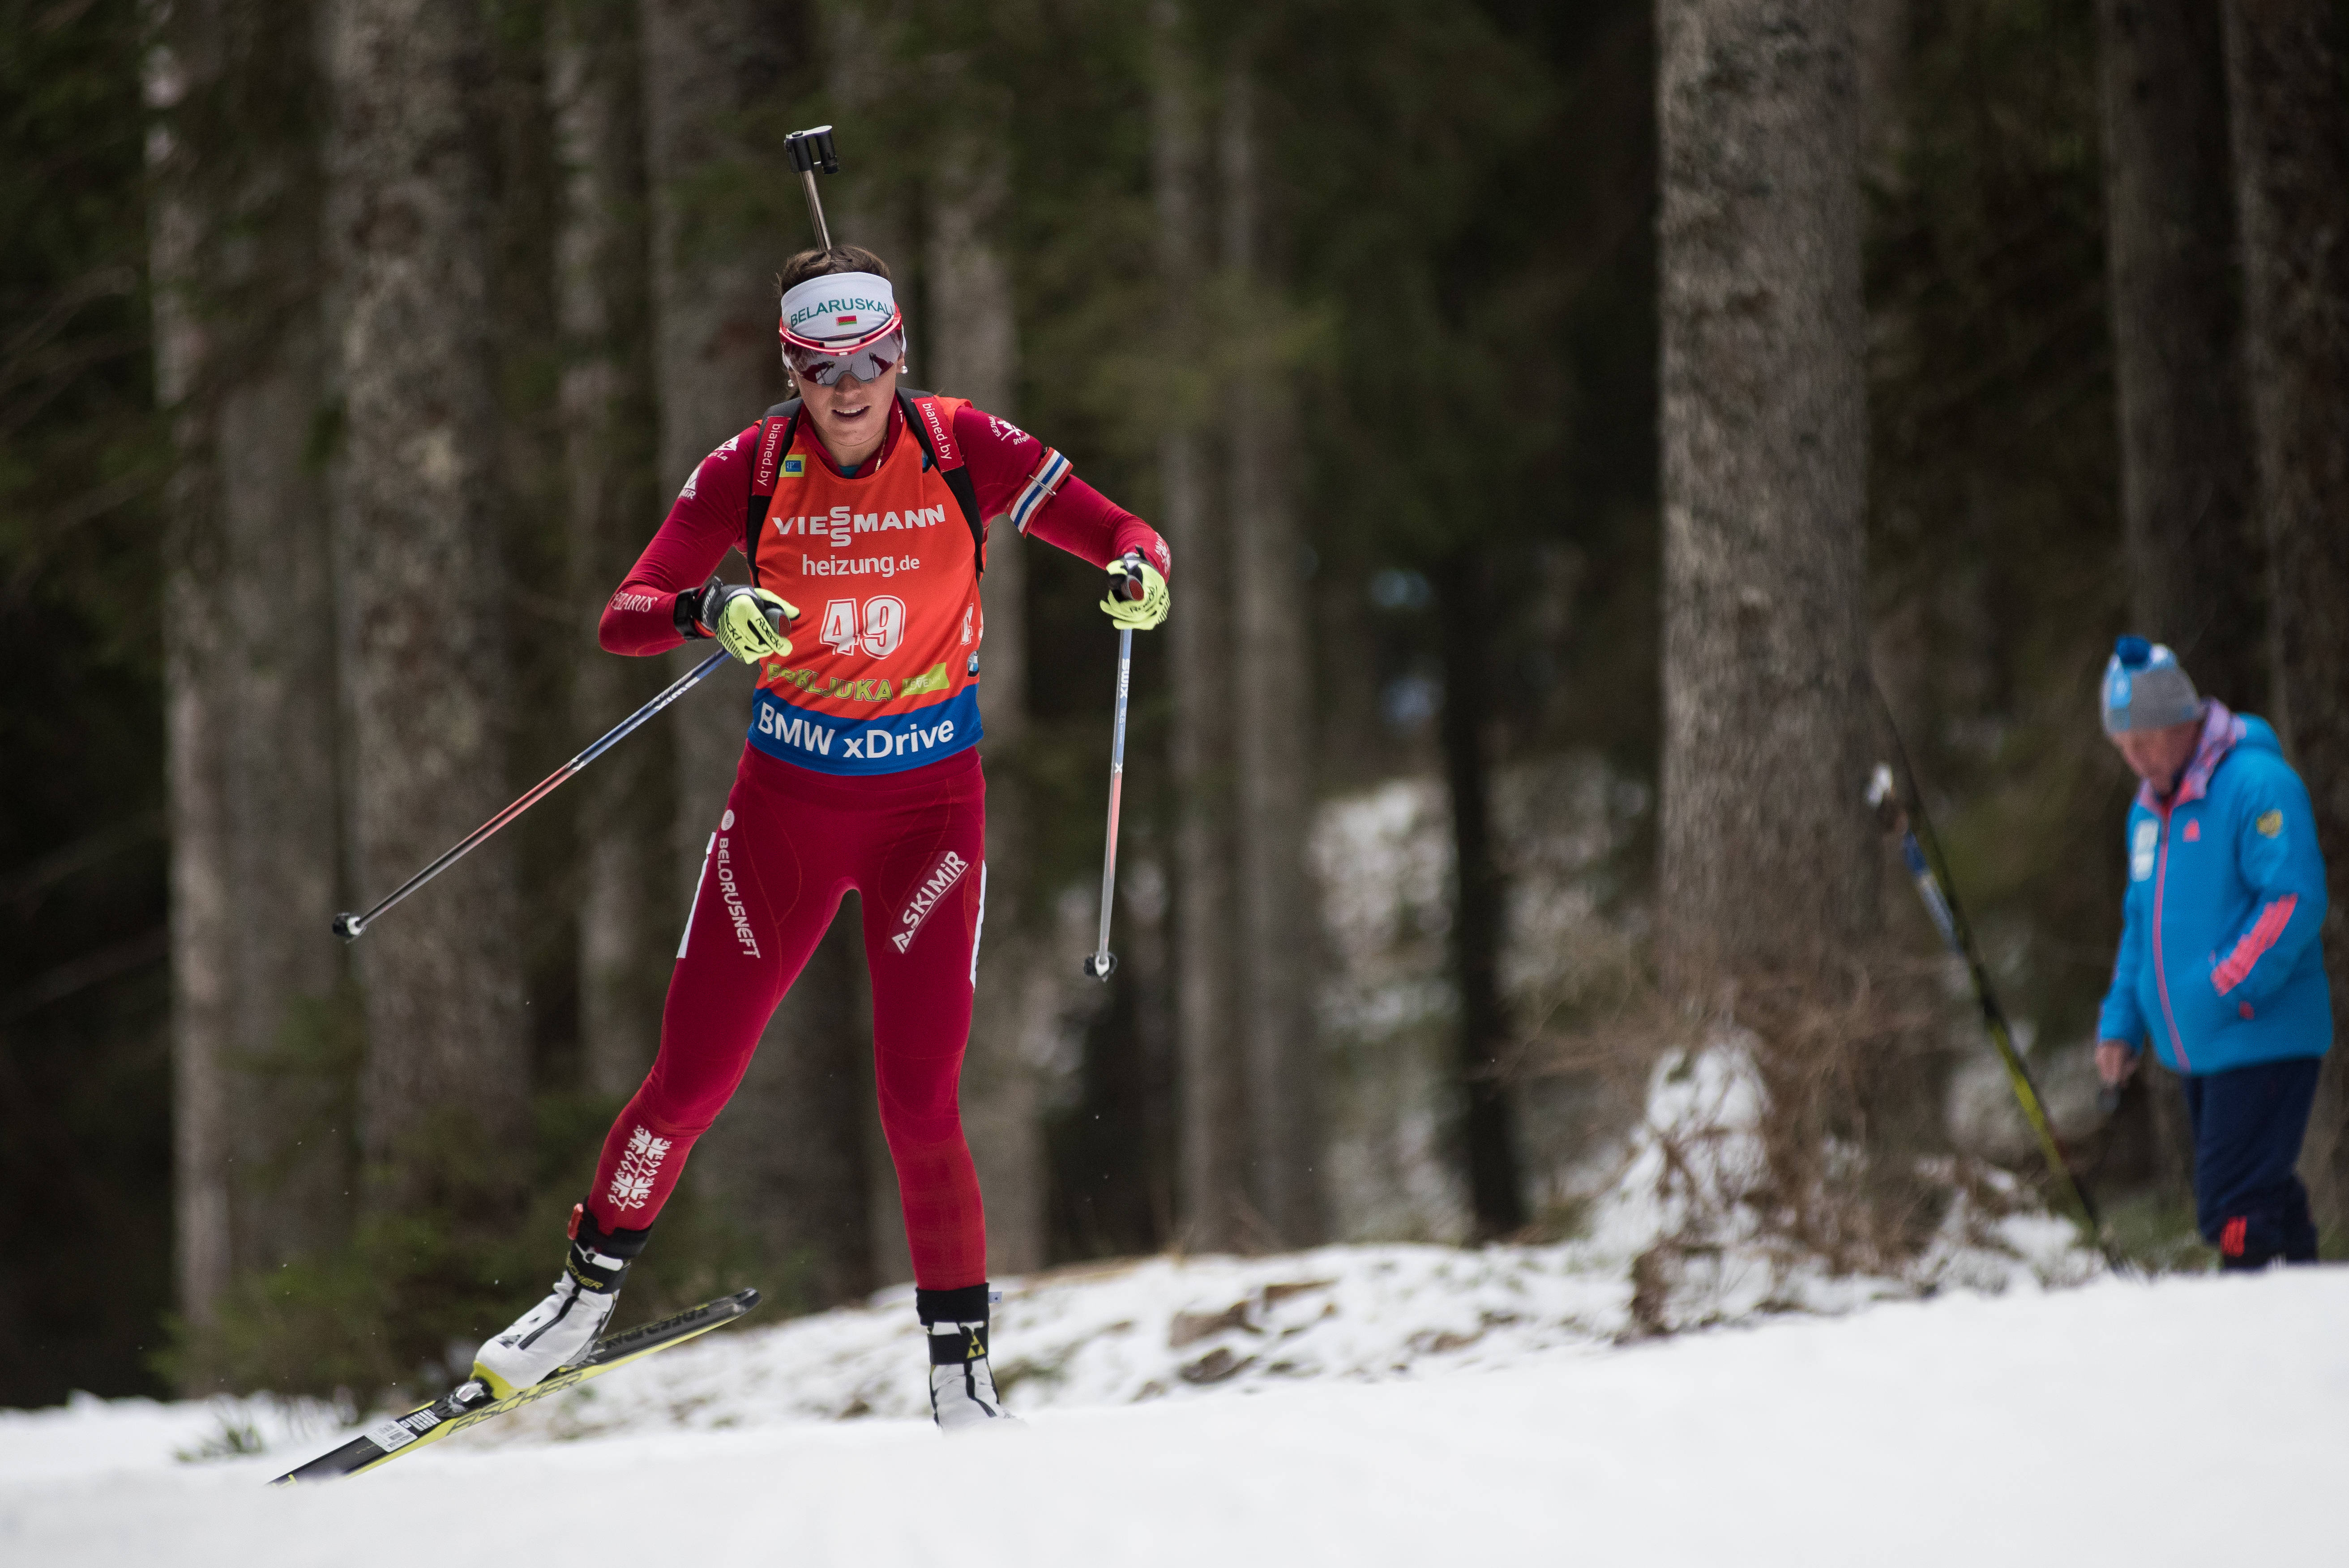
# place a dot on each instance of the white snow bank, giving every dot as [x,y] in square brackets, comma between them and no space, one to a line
[1402,1401]
[2188,1422]
[87,1435]
[1182,1328]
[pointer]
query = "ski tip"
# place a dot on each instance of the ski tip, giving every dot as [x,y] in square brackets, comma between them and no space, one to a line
[747,1297]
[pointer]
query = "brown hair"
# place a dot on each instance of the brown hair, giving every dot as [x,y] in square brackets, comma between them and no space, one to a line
[824,263]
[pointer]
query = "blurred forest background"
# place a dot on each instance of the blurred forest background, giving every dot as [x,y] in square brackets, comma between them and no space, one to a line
[1558,412]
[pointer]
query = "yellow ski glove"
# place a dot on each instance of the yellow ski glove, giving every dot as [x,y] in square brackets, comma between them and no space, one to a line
[747,622]
[1130,613]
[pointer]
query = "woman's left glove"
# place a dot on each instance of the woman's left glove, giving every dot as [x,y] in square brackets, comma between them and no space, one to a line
[747,622]
[1134,612]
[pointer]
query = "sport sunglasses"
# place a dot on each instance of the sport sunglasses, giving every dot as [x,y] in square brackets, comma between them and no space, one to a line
[864,360]
[866,364]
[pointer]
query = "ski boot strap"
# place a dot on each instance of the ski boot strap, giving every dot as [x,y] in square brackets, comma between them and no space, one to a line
[964,1304]
[599,1259]
[956,1322]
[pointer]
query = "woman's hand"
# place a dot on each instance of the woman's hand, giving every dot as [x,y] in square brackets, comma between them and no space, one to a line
[747,622]
[1137,593]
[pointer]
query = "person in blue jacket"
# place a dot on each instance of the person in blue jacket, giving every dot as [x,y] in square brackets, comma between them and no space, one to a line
[2220,963]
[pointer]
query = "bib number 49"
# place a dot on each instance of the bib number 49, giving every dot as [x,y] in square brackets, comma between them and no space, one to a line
[877,626]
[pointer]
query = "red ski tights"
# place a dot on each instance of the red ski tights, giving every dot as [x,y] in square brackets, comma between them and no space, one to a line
[791,844]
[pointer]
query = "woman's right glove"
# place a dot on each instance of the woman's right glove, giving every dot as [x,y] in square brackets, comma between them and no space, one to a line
[747,622]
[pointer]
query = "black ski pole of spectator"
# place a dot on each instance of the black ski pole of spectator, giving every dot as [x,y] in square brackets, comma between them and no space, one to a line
[1940,902]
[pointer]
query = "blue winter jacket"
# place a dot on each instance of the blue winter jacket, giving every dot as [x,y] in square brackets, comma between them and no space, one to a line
[2218,961]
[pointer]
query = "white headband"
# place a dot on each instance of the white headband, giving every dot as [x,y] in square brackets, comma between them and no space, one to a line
[839,311]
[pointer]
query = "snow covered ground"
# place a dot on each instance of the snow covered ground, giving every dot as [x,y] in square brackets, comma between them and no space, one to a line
[2187,1421]
[2001,1398]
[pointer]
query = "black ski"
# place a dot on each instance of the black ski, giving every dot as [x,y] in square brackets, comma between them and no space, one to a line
[469,1404]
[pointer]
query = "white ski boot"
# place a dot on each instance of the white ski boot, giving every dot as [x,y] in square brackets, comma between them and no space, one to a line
[962,1385]
[561,1329]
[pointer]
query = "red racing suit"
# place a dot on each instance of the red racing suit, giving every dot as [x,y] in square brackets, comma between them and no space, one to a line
[859,773]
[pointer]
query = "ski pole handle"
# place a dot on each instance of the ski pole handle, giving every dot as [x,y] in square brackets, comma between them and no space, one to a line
[348,925]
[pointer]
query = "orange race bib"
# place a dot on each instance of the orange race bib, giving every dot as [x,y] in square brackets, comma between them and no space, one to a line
[883,672]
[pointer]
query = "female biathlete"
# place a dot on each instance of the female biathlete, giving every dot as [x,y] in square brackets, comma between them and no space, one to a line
[863,511]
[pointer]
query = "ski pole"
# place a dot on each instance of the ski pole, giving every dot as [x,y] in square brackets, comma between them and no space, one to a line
[1101,963]
[811,151]
[348,925]
[1958,935]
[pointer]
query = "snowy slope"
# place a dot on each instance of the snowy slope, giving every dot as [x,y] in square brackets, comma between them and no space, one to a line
[1354,1405]
[2187,1421]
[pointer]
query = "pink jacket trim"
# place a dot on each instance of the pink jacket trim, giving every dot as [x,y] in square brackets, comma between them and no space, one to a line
[2261,937]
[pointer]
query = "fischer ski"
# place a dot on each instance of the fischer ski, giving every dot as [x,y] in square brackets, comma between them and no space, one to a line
[469,1404]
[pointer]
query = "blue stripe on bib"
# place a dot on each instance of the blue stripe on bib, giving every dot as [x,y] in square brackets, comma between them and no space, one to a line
[825,744]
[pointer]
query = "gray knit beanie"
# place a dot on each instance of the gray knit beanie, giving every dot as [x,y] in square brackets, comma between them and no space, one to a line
[2146,689]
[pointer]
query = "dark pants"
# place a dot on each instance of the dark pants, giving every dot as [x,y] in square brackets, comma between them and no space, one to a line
[2247,1124]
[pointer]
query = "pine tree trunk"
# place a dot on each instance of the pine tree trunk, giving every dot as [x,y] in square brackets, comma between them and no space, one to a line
[1215,1137]
[1273,722]
[249,655]
[201,1167]
[973,352]
[284,812]
[1488,1135]
[202,945]
[1213,1140]
[1767,859]
[445,1103]
[2194,557]
[202,926]
[2290,144]
[625,814]
[870,64]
